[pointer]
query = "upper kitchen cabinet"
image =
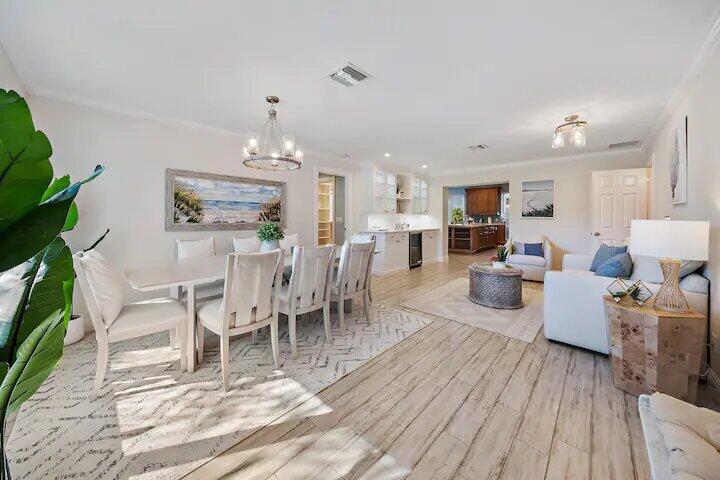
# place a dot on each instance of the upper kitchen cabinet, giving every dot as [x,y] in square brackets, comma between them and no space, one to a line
[382,189]
[483,201]
[420,196]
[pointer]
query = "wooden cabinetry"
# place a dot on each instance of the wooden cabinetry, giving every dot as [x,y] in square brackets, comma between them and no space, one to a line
[475,238]
[483,201]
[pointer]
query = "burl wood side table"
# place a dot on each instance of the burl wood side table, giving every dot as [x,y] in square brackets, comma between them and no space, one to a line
[654,350]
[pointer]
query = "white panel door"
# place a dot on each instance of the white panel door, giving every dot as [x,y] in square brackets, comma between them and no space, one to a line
[618,197]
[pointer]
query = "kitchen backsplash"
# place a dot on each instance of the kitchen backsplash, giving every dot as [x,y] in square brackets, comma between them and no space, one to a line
[388,221]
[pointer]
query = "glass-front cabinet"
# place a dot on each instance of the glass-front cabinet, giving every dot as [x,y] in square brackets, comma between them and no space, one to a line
[420,196]
[384,192]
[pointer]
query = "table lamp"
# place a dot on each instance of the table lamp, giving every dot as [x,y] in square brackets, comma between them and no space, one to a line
[670,241]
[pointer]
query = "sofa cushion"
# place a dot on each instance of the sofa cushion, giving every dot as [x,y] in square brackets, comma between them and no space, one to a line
[526,260]
[648,269]
[603,254]
[618,266]
[695,283]
[518,248]
[535,249]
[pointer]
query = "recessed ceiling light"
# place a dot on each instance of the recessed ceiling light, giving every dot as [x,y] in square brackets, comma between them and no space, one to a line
[387,155]
[424,166]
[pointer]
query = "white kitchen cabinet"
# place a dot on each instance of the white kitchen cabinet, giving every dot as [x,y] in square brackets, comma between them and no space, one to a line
[430,244]
[420,196]
[383,189]
[394,251]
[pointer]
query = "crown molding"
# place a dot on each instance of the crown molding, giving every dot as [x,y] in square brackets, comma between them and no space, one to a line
[707,48]
[538,161]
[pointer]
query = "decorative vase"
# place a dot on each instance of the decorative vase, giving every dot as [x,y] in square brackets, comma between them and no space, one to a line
[75,330]
[269,245]
[498,264]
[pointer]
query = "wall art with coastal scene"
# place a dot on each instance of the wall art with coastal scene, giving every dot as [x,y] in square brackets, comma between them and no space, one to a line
[538,199]
[206,201]
[679,162]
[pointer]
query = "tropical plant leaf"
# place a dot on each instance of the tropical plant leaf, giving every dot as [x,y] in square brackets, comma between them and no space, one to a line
[25,169]
[32,291]
[39,227]
[56,187]
[36,358]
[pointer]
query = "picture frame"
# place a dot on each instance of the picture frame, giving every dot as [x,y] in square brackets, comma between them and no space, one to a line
[538,199]
[196,201]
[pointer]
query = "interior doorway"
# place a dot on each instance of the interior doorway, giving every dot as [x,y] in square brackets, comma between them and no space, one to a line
[331,209]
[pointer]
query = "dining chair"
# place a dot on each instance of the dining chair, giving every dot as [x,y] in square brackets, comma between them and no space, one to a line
[364,238]
[189,249]
[133,320]
[249,302]
[353,277]
[288,242]
[309,287]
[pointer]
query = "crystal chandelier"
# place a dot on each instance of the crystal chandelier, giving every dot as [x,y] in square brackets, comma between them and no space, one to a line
[577,132]
[276,151]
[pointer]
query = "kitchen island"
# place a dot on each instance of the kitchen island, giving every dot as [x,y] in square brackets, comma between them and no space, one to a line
[474,238]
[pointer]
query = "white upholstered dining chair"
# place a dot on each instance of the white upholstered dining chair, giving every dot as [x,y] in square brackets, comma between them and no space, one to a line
[188,249]
[250,302]
[308,288]
[114,321]
[353,277]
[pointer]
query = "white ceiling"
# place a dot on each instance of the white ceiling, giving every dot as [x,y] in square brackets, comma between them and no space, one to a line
[445,73]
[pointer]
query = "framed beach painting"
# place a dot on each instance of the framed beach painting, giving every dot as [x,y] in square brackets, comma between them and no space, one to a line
[206,201]
[538,199]
[679,162]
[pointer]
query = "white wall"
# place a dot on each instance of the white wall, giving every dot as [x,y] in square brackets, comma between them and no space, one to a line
[8,78]
[701,105]
[570,230]
[129,198]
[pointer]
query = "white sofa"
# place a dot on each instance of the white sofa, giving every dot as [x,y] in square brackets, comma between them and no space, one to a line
[533,267]
[574,312]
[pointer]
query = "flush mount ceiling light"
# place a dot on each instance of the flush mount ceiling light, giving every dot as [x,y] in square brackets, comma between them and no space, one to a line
[387,155]
[276,151]
[576,128]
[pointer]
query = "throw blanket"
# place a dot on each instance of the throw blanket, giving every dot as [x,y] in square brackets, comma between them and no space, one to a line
[692,436]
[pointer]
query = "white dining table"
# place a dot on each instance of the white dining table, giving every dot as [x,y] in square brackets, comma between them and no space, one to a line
[190,274]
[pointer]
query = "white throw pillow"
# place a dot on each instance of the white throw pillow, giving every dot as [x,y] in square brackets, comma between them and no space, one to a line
[195,248]
[246,245]
[289,241]
[106,283]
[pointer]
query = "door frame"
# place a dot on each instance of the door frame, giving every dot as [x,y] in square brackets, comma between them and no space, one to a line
[349,214]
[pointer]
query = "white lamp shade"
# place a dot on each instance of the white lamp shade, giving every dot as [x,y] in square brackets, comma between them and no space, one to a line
[681,240]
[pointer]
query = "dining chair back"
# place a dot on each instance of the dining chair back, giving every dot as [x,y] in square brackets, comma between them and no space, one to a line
[195,248]
[362,238]
[250,302]
[134,320]
[309,287]
[353,277]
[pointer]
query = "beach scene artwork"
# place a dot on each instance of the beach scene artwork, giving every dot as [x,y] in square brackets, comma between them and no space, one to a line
[200,201]
[538,199]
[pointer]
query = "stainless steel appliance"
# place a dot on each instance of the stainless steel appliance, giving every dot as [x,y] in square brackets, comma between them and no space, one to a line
[415,249]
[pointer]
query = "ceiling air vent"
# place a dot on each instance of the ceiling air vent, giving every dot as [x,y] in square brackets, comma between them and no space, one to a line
[479,146]
[349,75]
[631,143]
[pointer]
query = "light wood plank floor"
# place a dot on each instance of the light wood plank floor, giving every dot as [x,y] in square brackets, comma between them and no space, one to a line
[453,402]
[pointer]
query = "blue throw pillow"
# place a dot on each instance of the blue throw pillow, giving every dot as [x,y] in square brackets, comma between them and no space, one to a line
[618,266]
[603,254]
[535,249]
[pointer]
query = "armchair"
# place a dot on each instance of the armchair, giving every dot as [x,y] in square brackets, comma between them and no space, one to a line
[533,266]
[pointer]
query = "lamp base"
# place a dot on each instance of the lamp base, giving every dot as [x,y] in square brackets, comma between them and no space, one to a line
[670,298]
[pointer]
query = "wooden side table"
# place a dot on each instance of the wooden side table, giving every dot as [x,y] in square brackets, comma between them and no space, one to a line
[654,350]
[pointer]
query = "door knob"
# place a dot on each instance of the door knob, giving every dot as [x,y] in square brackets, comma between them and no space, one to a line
[597,234]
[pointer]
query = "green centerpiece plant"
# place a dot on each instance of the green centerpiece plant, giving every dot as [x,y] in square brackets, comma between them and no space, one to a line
[36,269]
[270,234]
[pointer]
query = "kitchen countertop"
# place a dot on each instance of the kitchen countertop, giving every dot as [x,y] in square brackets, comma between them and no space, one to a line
[401,231]
[477,225]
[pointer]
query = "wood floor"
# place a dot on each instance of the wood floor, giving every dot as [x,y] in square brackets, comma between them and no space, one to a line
[452,402]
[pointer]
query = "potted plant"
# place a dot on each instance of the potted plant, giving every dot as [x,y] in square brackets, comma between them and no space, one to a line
[457,216]
[501,254]
[270,234]
[36,269]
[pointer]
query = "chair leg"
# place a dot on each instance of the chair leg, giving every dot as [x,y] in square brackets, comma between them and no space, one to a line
[225,360]
[102,361]
[326,320]
[200,332]
[173,338]
[341,312]
[254,337]
[366,306]
[274,341]
[292,318]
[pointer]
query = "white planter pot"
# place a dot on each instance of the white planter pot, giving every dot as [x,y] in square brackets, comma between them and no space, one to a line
[498,264]
[269,246]
[75,331]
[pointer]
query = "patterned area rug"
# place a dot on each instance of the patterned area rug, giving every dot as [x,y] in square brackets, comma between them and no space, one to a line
[152,422]
[451,301]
